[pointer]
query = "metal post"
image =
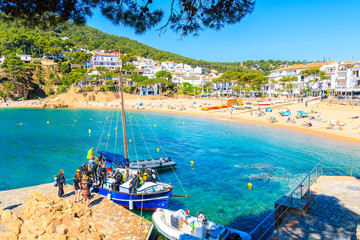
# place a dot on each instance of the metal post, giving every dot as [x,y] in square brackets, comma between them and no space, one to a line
[351,168]
[309,183]
[260,233]
[301,190]
[321,167]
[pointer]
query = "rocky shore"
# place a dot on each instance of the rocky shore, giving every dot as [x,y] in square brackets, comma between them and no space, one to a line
[37,213]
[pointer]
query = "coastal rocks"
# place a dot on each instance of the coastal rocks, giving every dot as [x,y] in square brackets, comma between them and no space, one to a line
[47,217]
[54,105]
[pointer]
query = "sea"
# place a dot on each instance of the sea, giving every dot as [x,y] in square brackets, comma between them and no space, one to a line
[226,155]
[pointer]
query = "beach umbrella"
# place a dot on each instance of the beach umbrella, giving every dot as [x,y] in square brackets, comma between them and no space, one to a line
[286,113]
[268,110]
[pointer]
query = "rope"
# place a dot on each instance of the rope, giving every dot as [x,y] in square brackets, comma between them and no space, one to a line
[142,202]
[142,136]
[107,141]
[165,155]
[102,133]
[133,136]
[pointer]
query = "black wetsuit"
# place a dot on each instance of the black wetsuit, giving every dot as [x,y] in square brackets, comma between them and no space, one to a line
[61,182]
[118,180]
[135,183]
[150,176]
[102,175]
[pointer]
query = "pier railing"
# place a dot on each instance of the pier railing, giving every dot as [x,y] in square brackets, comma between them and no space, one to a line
[261,231]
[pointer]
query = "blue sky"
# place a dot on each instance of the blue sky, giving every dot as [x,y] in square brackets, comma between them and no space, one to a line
[277,29]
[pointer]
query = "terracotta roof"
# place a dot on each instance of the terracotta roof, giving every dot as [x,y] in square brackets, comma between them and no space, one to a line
[178,73]
[306,66]
[139,70]
[105,54]
[347,62]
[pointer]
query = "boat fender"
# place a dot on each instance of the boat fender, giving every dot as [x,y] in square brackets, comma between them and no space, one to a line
[192,224]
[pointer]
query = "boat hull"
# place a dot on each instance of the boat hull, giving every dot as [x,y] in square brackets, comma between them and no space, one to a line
[150,201]
[156,163]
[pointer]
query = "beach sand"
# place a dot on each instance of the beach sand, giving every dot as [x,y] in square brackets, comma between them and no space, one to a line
[344,125]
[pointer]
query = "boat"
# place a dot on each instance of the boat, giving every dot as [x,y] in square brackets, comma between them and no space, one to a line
[156,163]
[150,195]
[199,228]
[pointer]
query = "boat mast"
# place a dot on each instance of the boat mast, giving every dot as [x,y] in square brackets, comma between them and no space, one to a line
[126,152]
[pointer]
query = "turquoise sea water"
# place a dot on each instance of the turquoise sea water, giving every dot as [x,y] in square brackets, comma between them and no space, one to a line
[227,155]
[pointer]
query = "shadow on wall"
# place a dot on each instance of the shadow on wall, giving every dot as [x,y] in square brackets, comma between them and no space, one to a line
[326,219]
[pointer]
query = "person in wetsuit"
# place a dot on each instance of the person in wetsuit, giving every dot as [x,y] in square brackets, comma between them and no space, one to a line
[103,174]
[134,184]
[118,180]
[61,183]
[149,172]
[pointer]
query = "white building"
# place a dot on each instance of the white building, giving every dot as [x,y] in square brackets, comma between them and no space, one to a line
[107,60]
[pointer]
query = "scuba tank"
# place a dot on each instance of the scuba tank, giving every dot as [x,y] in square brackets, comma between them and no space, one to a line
[56,183]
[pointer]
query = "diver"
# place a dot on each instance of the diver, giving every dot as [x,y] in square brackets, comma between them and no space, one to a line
[134,184]
[143,170]
[149,175]
[118,180]
[102,174]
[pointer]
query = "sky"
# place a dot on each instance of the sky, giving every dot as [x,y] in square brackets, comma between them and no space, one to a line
[311,30]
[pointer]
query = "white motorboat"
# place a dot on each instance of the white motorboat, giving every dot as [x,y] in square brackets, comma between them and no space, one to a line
[198,228]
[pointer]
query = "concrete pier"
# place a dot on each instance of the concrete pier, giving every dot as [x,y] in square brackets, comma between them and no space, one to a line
[113,220]
[334,212]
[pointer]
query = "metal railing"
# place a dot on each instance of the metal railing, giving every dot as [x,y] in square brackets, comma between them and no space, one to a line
[259,231]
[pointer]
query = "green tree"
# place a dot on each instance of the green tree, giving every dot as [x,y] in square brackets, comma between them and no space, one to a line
[164,74]
[65,68]
[316,75]
[186,16]
[13,66]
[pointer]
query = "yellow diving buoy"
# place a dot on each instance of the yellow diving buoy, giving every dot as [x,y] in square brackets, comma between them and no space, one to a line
[130,116]
[47,122]
[154,125]
[130,140]
[91,119]
[20,123]
[121,117]
[75,120]
[192,163]
[249,185]
[145,115]
[106,117]
[115,128]
[108,134]
[157,149]
[89,131]
[183,123]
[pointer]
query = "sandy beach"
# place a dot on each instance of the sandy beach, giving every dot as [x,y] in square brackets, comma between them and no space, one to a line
[331,120]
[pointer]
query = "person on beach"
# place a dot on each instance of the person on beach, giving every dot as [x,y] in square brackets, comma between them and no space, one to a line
[61,183]
[90,156]
[85,190]
[77,187]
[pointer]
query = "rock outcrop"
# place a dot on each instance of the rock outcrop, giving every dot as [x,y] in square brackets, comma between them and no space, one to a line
[47,217]
[53,105]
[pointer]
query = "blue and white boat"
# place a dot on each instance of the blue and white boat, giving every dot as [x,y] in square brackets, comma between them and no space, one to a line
[149,196]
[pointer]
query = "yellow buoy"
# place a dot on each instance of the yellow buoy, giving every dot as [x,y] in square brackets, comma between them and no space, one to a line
[145,115]
[75,120]
[130,116]
[47,122]
[130,140]
[183,123]
[157,149]
[192,163]
[106,117]
[108,135]
[115,128]
[91,119]
[89,131]
[249,185]
[20,123]
[154,125]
